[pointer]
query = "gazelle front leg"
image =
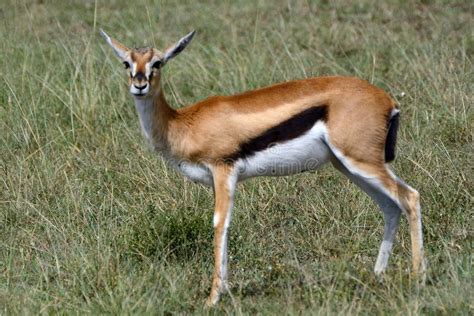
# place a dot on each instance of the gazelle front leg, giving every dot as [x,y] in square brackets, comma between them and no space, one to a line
[225,180]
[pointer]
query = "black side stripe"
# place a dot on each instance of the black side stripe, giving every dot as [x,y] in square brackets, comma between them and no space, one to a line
[290,129]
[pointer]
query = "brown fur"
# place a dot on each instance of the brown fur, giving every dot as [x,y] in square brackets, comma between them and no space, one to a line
[357,118]
[213,129]
[223,199]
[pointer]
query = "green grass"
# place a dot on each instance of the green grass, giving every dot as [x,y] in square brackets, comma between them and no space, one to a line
[93,222]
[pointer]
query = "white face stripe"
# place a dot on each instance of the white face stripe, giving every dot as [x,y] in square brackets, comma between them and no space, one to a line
[134,69]
[148,69]
[148,65]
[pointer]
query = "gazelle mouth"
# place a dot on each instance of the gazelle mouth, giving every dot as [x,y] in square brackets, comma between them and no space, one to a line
[139,94]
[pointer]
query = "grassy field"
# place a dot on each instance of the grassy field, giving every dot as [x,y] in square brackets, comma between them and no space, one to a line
[91,221]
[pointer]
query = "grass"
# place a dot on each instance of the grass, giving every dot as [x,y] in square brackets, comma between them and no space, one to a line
[93,222]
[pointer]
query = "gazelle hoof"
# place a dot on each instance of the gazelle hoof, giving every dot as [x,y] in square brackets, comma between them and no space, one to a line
[212,300]
[380,276]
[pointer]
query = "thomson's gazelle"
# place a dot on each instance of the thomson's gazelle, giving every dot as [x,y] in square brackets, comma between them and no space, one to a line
[282,129]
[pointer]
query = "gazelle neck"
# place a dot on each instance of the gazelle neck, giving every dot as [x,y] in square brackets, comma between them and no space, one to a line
[155,115]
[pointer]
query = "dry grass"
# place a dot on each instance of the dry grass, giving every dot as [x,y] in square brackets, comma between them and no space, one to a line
[92,222]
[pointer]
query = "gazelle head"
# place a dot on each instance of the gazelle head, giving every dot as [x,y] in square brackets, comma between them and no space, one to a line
[144,64]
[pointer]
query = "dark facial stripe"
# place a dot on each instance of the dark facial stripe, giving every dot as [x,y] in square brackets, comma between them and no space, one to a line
[139,76]
[285,131]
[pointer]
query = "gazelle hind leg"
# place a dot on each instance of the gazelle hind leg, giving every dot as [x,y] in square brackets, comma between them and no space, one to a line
[393,196]
[391,214]
[389,207]
[410,201]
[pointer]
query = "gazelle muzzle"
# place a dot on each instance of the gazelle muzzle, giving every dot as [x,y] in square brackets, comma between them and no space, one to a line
[139,85]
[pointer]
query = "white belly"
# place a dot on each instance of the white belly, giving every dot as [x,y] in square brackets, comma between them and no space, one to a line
[306,152]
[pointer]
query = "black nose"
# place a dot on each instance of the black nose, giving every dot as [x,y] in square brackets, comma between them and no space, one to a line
[139,76]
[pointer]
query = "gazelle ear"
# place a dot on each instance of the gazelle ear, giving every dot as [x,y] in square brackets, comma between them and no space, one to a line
[119,49]
[178,47]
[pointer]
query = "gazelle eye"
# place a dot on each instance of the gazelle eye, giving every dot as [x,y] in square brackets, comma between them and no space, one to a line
[126,64]
[157,64]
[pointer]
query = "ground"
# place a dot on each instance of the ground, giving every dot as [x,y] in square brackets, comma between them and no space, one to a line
[91,221]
